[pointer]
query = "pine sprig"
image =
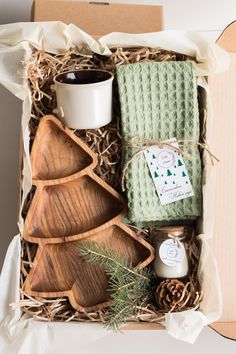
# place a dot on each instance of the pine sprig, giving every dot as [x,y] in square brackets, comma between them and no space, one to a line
[129,287]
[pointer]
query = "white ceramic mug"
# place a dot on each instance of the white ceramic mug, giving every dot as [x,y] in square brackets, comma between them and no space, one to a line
[84,98]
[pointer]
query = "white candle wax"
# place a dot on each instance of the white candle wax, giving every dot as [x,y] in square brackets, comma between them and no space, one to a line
[171,259]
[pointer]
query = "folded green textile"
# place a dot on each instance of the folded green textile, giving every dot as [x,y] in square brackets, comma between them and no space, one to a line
[159,102]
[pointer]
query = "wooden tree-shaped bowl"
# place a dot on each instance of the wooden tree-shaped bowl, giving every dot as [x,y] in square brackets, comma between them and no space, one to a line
[70,208]
[56,154]
[60,270]
[72,205]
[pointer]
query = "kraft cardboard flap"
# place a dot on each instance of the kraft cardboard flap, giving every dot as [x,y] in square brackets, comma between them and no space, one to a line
[98,19]
[226,329]
[223,143]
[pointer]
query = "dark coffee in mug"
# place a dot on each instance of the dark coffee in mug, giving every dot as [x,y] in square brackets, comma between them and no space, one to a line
[83,77]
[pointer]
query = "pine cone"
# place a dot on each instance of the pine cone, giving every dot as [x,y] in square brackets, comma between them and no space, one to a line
[172,294]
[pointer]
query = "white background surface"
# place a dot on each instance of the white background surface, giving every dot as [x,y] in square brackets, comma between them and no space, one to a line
[209,16]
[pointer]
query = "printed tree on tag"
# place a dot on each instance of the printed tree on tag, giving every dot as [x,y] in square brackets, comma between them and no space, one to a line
[169,173]
[180,163]
[183,174]
[156,174]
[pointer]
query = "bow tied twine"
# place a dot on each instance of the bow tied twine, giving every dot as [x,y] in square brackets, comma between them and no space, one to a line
[143,144]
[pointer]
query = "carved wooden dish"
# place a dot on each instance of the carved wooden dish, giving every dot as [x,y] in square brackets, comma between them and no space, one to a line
[71,208]
[61,271]
[72,205]
[56,154]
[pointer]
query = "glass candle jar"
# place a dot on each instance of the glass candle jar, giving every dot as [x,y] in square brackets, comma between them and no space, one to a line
[171,259]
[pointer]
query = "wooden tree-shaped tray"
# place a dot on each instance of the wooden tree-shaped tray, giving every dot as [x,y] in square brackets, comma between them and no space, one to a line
[72,205]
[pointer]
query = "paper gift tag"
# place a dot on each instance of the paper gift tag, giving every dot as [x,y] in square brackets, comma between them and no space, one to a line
[169,173]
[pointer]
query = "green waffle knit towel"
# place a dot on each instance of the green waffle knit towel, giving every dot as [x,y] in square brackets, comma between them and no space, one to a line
[159,102]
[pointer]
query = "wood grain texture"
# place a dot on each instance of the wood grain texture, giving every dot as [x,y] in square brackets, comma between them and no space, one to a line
[60,270]
[75,207]
[72,205]
[57,155]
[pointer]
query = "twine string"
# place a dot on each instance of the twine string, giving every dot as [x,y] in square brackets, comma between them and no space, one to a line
[143,144]
[177,239]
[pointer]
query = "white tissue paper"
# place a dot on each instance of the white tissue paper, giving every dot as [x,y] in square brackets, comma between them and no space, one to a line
[20,333]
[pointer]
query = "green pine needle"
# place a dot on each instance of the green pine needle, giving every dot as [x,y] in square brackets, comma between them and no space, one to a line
[129,286]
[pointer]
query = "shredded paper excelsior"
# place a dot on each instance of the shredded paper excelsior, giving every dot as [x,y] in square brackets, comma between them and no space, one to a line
[59,309]
[106,143]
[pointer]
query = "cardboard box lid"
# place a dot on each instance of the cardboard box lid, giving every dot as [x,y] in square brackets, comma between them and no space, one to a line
[223,143]
[98,19]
